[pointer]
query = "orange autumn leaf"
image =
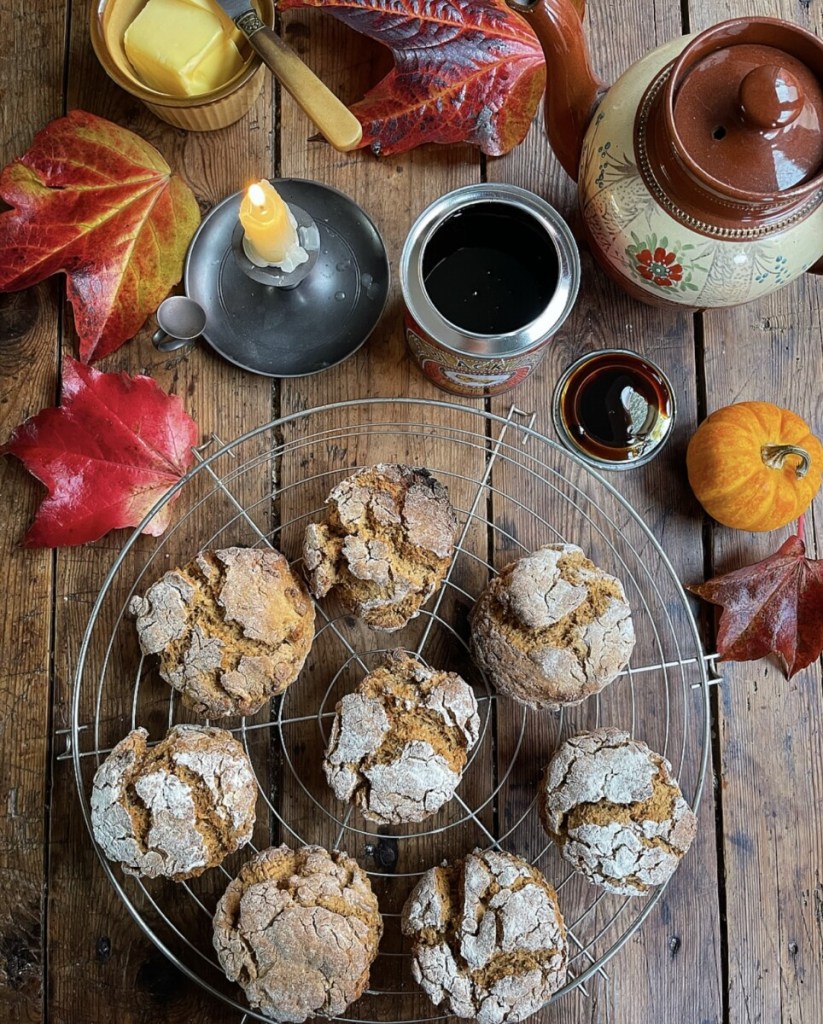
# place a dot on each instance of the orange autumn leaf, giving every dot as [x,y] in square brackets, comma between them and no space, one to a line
[92,200]
[466,71]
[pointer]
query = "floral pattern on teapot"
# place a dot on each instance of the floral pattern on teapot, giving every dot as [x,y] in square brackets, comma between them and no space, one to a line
[645,245]
[662,266]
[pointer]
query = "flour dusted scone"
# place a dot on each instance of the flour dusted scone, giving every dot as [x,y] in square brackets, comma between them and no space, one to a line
[298,930]
[175,809]
[399,742]
[386,543]
[614,810]
[232,629]
[488,938]
[552,629]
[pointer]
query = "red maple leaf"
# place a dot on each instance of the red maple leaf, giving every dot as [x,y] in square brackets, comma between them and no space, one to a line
[772,607]
[112,449]
[465,71]
[95,201]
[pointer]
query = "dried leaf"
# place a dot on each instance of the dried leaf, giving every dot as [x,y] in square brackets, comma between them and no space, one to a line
[465,71]
[772,607]
[95,201]
[114,447]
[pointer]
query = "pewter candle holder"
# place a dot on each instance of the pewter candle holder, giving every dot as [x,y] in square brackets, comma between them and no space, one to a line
[291,324]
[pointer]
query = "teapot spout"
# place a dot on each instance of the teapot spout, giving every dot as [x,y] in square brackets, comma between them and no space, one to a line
[573,90]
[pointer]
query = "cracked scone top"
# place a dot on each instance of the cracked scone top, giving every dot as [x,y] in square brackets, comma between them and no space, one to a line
[175,809]
[232,629]
[488,938]
[611,805]
[552,628]
[386,543]
[399,742]
[298,930]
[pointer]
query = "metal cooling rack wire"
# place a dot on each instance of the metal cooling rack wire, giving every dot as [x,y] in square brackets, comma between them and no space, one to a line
[498,451]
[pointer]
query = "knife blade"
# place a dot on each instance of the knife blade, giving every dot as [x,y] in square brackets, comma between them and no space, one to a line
[334,119]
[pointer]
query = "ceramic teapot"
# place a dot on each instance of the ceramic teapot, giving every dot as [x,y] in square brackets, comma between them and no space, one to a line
[700,170]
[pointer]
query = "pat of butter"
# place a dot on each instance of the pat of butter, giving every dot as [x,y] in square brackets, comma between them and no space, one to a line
[179,47]
[230,30]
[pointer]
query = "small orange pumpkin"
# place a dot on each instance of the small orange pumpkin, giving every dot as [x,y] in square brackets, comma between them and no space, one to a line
[754,466]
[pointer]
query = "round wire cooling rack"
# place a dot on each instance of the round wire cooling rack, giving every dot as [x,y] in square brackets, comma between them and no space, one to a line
[513,489]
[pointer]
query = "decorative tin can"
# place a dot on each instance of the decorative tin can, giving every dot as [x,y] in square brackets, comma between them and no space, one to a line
[489,273]
[614,408]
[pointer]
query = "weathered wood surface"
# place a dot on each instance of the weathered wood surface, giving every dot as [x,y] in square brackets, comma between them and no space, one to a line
[769,730]
[737,936]
[29,324]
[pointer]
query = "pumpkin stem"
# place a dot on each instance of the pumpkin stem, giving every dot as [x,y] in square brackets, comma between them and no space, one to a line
[774,455]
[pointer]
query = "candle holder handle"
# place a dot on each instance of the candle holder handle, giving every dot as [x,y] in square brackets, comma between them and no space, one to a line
[180,322]
[334,119]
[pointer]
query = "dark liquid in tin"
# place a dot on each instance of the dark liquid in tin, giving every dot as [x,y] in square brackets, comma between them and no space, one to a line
[612,404]
[490,269]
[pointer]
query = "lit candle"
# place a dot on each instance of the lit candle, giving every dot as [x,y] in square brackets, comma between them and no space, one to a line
[270,230]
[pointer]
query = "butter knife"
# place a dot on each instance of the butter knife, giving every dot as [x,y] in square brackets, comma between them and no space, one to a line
[334,119]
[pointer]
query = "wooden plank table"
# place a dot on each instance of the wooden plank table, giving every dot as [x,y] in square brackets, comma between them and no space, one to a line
[738,935]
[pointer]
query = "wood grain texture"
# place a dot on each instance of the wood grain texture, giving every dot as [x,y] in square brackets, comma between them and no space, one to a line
[125,977]
[29,323]
[392,192]
[735,941]
[769,728]
[679,943]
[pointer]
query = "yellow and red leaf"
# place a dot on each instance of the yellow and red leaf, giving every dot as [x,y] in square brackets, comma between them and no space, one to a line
[95,201]
[464,71]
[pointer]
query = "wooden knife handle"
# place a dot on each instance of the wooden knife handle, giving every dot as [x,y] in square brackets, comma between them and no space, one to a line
[335,121]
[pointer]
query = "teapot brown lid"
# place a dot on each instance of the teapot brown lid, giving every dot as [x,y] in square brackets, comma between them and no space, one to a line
[746,101]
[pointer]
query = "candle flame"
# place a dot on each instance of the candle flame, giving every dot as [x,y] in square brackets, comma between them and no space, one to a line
[257,195]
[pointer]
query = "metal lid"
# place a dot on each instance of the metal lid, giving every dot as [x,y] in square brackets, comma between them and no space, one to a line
[747,105]
[545,219]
